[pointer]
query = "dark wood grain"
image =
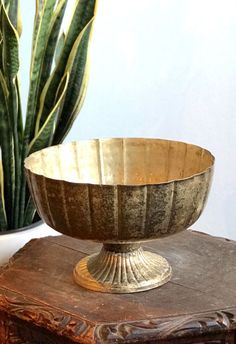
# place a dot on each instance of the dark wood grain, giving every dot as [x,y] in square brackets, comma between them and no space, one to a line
[38,296]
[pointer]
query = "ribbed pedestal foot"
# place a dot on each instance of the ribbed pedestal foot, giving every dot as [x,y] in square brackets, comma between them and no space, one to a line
[125,268]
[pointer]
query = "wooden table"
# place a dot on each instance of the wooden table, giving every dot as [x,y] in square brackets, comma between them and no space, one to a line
[40,303]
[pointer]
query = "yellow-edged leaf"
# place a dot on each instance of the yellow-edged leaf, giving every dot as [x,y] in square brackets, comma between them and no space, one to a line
[83,12]
[77,66]
[45,134]
[10,46]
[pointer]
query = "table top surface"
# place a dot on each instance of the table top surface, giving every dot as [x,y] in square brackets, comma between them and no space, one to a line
[37,285]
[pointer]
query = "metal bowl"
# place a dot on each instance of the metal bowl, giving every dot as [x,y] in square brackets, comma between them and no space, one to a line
[120,192]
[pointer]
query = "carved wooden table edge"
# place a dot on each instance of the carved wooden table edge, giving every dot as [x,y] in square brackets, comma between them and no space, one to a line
[76,328]
[169,328]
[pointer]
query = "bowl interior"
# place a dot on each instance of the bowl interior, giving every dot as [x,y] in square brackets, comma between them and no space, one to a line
[120,161]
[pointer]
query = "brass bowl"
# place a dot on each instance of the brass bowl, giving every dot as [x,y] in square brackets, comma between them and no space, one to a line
[120,192]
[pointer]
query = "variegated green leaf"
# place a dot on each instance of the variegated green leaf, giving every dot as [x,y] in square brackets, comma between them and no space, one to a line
[19,117]
[51,44]
[14,109]
[39,4]
[37,60]
[7,150]
[77,83]
[83,12]
[14,14]
[10,46]
[39,10]
[43,19]
[60,136]
[55,98]
[10,68]
[43,15]
[45,134]
[44,138]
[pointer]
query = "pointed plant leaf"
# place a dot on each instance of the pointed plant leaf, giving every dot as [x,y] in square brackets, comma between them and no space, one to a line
[75,112]
[10,46]
[44,136]
[43,16]
[14,109]
[38,11]
[19,117]
[84,11]
[42,99]
[10,69]
[43,19]
[83,90]
[75,93]
[6,143]
[59,135]
[39,8]
[14,14]
[51,43]
[37,60]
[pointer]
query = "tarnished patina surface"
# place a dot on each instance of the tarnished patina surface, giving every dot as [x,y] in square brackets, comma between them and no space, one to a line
[120,190]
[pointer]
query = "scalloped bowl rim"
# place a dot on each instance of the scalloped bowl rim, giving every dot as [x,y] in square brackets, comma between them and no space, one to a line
[210,167]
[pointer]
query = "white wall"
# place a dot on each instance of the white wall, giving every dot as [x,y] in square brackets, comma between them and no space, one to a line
[166,68]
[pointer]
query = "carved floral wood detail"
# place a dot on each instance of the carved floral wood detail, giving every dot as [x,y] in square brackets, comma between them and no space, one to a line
[170,327]
[47,317]
[74,327]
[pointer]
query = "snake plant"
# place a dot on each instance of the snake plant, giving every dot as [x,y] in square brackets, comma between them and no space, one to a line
[58,82]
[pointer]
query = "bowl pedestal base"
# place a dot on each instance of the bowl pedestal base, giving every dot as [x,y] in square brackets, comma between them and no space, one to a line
[122,268]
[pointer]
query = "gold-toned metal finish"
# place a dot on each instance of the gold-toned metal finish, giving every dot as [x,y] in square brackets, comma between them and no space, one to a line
[120,192]
[131,270]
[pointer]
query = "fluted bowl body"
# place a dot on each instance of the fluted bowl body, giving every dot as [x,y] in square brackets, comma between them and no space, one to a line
[120,190]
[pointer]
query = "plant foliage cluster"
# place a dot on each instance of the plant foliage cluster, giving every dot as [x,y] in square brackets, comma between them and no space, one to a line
[58,82]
